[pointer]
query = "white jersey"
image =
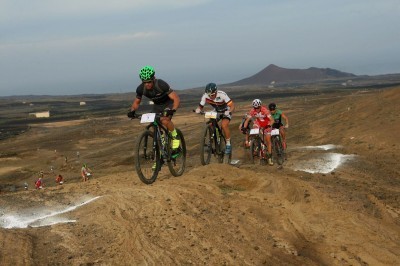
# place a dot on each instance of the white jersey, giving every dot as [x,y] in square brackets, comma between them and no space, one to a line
[220,103]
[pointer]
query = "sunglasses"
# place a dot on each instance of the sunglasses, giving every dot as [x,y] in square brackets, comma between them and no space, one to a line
[147,81]
[212,94]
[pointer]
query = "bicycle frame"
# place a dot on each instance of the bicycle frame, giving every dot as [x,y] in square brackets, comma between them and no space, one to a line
[158,141]
[217,141]
[258,133]
[277,147]
[152,154]
[217,132]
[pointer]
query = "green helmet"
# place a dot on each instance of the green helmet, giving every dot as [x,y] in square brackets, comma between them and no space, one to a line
[146,73]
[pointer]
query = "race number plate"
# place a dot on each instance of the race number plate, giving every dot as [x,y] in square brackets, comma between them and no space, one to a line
[212,115]
[275,132]
[254,131]
[147,118]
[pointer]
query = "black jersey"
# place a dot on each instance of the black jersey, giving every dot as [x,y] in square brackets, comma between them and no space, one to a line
[159,93]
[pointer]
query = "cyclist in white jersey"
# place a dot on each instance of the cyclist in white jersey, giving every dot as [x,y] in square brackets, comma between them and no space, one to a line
[222,104]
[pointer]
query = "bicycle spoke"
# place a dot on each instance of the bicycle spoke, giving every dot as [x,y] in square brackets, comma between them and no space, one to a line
[147,160]
[206,146]
[255,150]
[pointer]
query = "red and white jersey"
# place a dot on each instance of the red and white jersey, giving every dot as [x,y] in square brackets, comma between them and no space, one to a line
[263,116]
[220,103]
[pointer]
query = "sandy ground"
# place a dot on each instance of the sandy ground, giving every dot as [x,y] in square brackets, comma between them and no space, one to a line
[329,205]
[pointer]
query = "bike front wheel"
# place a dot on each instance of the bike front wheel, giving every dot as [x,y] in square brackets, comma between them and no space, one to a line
[147,158]
[207,145]
[255,150]
[277,149]
[177,163]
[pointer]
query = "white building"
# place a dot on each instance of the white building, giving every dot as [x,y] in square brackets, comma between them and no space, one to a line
[40,114]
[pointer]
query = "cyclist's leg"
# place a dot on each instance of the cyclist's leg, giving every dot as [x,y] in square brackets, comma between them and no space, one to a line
[243,132]
[267,139]
[283,136]
[167,122]
[247,143]
[227,133]
[225,127]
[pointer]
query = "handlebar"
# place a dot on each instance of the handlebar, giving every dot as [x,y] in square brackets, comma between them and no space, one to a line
[219,114]
[139,116]
[201,112]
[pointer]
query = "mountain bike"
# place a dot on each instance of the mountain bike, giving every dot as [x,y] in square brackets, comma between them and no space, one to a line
[213,141]
[277,147]
[154,148]
[258,148]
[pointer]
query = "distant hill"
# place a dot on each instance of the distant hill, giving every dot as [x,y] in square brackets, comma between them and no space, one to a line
[273,73]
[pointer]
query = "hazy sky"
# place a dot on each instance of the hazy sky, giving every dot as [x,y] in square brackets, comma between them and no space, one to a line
[99,46]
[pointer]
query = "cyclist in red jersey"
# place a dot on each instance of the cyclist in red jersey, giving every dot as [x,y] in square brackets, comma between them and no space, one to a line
[263,120]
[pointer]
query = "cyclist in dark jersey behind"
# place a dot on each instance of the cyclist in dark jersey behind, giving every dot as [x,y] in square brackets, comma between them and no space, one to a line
[165,99]
[277,114]
[245,130]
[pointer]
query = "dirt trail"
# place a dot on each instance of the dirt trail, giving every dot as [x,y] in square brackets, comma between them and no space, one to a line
[216,214]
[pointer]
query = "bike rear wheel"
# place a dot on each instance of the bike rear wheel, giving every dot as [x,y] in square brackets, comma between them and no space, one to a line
[277,149]
[177,163]
[207,145]
[255,150]
[147,158]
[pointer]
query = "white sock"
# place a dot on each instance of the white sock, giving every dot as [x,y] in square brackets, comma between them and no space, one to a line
[228,141]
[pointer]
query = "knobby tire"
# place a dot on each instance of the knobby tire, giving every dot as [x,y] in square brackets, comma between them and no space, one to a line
[145,157]
[206,145]
[278,150]
[255,149]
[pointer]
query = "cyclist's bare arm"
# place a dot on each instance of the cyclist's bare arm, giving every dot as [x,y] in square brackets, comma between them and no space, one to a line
[199,109]
[174,96]
[271,120]
[135,104]
[231,106]
[246,122]
[286,119]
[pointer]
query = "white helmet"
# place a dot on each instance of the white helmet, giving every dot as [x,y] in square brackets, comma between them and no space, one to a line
[256,103]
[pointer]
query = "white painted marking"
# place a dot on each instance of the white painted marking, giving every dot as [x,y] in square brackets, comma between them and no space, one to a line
[43,218]
[324,164]
[322,147]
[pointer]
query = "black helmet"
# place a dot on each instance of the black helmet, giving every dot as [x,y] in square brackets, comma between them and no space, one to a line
[272,106]
[211,88]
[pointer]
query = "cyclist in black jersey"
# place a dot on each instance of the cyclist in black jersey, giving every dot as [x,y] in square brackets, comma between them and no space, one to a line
[165,99]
